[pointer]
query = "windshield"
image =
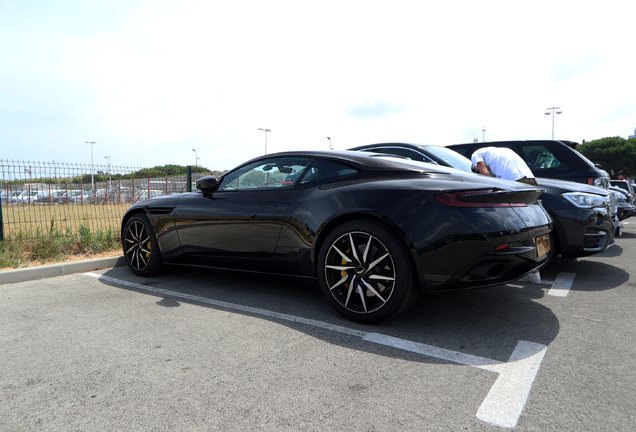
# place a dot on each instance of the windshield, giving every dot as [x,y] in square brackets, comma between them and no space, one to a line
[451,157]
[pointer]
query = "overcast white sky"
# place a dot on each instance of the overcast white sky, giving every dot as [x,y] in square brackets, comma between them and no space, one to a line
[149,81]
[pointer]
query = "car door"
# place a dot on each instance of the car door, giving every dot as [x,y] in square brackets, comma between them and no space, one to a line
[243,218]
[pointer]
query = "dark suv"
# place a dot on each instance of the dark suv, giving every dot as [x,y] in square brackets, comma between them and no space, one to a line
[552,159]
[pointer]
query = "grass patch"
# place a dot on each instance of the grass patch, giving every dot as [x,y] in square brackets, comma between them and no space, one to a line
[22,250]
[33,220]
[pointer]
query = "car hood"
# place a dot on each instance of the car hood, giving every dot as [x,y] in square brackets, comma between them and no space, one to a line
[570,186]
[161,202]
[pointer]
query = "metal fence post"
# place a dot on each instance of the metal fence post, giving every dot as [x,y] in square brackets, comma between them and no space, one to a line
[2,220]
[189,178]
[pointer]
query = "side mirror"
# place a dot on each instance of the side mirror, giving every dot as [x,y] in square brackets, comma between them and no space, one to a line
[207,184]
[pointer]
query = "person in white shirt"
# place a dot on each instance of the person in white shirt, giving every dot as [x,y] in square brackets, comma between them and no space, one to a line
[506,164]
[503,163]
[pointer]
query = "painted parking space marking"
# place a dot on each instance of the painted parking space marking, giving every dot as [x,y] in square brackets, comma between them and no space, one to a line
[507,397]
[562,285]
[501,407]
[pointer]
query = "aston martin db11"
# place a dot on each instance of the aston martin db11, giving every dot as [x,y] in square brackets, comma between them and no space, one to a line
[374,230]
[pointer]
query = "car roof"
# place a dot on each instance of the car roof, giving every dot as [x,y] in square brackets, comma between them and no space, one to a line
[366,161]
[487,143]
[400,144]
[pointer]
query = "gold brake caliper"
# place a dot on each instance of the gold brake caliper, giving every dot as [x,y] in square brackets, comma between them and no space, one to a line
[343,262]
[149,250]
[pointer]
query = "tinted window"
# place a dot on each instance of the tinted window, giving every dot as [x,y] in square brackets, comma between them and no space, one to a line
[539,157]
[326,169]
[450,157]
[623,184]
[403,152]
[265,174]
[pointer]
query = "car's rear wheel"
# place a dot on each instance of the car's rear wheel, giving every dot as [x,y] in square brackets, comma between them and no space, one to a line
[140,247]
[365,272]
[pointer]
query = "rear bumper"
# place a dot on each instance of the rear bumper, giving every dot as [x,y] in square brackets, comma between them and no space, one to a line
[485,264]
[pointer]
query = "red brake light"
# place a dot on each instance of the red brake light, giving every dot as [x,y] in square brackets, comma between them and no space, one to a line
[478,198]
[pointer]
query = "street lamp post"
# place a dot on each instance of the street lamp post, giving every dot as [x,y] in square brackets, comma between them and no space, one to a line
[108,163]
[196,157]
[553,110]
[265,130]
[92,143]
[330,144]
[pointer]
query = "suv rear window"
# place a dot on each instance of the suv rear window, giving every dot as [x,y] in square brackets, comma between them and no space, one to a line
[539,157]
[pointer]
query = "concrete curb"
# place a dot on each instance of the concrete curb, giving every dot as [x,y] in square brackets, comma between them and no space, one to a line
[53,270]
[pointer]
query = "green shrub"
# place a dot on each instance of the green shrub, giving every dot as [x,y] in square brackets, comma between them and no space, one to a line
[22,249]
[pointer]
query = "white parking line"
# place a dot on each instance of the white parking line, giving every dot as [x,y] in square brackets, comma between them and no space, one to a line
[508,396]
[505,400]
[562,285]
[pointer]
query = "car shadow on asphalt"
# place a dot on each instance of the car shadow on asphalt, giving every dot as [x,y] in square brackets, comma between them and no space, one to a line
[627,235]
[591,274]
[487,322]
[613,251]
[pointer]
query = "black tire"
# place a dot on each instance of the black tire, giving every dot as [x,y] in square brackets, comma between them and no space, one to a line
[365,272]
[140,247]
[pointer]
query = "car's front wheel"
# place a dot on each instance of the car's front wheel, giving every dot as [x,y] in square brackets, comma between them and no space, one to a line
[140,247]
[365,272]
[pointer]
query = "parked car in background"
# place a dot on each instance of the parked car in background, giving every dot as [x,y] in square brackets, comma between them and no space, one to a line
[12,197]
[627,187]
[373,230]
[549,159]
[25,197]
[114,195]
[42,197]
[584,216]
[625,204]
[70,196]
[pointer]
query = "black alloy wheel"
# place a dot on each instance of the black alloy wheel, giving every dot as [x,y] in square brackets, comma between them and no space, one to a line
[140,247]
[366,272]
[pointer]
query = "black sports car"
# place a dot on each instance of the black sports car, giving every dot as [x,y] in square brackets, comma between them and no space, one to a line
[585,220]
[372,229]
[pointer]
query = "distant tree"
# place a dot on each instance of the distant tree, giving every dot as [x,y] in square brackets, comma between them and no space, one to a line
[616,155]
[167,171]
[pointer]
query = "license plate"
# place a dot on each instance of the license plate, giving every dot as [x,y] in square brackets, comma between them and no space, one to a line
[543,244]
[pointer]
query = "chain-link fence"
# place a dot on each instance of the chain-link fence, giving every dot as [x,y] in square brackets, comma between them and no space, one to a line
[51,197]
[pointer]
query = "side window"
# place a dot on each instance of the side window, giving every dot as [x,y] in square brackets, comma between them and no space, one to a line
[324,170]
[539,157]
[266,174]
[409,154]
[405,153]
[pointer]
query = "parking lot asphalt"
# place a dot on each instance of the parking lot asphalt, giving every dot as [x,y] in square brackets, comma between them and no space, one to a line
[195,349]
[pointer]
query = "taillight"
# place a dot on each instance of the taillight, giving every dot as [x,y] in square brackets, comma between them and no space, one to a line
[479,198]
